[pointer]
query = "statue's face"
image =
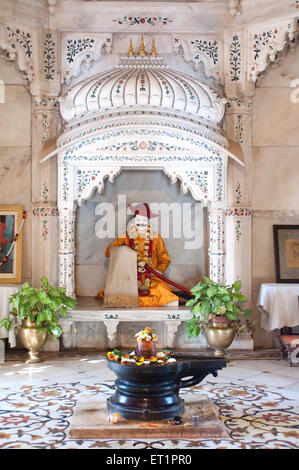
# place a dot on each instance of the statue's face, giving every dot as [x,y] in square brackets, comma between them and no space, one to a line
[141,223]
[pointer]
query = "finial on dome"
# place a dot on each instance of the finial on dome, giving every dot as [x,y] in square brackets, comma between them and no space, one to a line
[142,51]
[131,52]
[153,52]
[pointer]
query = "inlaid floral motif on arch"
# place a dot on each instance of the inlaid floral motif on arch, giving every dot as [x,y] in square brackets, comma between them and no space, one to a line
[200,179]
[143,131]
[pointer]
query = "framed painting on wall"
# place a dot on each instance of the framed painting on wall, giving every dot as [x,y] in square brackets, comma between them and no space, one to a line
[10,254]
[286,252]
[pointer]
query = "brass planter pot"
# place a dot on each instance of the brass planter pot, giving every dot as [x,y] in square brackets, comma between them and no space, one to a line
[32,339]
[219,336]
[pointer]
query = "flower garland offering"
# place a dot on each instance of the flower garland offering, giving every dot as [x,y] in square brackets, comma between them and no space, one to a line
[143,257]
[146,335]
[162,358]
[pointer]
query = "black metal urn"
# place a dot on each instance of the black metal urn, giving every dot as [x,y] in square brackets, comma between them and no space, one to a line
[151,392]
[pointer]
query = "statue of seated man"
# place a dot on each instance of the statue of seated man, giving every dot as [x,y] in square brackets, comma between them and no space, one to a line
[150,249]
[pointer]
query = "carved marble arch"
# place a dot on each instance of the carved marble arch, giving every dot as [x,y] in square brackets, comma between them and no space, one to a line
[191,158]
[188,155]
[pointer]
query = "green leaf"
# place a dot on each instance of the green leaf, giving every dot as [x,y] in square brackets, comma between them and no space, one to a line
[5,323]
[237,286]
[190,303]
[15,301]
[55,304]
[196,308]
[33,301]
[55,330]
[53,292]
[44,281]
[247,312]
[63,311]
[231,316]
[208,280]
[68,301]
[211,291]
[25,285]
[44,298]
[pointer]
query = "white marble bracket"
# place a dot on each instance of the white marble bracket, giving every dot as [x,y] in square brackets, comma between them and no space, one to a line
[17,44]
[265,41]
[79,49]
[207,50]
[172,327]
[111,328]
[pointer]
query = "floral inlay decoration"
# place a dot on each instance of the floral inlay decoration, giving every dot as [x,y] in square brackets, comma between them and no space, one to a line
[49,56]
[75,46]
[22,38]
[263,39]
[208,47]
[152,20]
[238,193]
[239,130]
[235,59]
[238,230]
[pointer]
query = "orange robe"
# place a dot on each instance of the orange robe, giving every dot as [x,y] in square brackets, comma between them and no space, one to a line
[160,292]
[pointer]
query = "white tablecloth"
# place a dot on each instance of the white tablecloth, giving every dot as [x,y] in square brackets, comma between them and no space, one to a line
[5,292]
[279,306]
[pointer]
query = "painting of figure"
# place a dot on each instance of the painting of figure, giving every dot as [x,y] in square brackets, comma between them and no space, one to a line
[10,249]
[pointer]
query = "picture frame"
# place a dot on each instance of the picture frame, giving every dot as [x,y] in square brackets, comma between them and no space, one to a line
[286,253]
[10,220]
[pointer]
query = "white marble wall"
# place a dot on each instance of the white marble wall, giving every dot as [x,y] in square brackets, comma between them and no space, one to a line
[275,190]
[15,151]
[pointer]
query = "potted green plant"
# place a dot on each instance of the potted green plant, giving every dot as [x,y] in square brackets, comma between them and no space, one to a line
[38,309]
[216,309]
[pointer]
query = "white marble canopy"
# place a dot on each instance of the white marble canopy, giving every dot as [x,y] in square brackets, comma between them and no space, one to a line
[139,81]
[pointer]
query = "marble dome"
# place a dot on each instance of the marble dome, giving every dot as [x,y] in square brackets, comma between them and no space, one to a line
[142,82]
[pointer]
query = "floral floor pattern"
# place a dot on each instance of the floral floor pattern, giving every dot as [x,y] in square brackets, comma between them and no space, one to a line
[255,416]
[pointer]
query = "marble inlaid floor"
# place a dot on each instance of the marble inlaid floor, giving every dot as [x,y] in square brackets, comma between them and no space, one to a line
[257,400]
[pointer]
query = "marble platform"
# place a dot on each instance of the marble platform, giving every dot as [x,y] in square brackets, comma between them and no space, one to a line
[91,421]
[90,309]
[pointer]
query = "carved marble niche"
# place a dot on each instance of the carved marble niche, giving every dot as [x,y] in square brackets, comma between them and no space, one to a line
[141,115]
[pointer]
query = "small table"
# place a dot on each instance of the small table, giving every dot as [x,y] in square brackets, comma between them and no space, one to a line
[278,304]
[6,290]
